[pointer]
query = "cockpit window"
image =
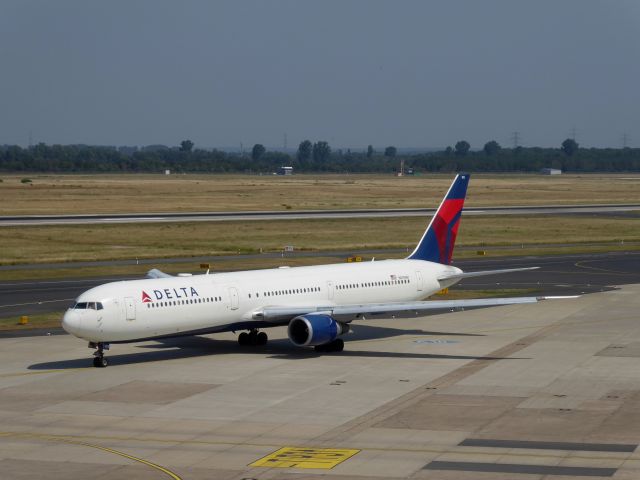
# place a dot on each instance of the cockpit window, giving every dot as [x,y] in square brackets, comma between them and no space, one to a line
[88,306]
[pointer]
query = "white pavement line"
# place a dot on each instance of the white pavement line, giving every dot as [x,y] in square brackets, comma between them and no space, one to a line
[36,303]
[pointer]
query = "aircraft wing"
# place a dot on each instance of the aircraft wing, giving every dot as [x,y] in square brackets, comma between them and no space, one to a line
[155,273]
[276,313]
[460,276]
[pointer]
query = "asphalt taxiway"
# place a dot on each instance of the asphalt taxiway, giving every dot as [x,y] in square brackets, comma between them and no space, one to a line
[549,390]
[23,220]
[558,275]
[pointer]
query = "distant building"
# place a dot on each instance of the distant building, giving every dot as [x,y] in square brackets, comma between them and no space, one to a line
[285,171]
[550,171]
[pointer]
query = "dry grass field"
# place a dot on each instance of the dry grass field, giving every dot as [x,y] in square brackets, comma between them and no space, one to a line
[41,244]
[69,194]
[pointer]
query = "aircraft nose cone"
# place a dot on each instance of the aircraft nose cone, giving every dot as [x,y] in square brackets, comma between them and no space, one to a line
[71,322]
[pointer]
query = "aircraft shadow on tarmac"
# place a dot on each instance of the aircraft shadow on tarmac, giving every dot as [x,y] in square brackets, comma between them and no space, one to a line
[197,346]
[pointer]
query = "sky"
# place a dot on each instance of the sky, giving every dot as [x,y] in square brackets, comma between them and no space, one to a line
[351,72]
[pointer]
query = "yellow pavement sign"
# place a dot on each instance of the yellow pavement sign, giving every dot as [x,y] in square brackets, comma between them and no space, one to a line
[302,457]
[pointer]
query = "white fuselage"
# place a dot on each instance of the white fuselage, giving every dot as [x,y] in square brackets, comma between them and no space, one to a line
[142,309]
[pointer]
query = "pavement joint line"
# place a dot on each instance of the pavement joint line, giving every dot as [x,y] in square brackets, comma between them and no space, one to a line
[383,412]
[442,450]
[56,438]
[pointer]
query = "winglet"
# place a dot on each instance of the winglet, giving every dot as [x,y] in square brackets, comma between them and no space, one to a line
[439,238]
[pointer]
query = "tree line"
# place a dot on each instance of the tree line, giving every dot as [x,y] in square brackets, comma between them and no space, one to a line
[315,157]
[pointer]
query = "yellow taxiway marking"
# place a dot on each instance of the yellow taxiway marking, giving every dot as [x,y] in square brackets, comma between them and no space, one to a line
[55,438]
[301,457]
[435,449]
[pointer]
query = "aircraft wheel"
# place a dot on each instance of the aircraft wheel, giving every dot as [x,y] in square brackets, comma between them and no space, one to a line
[261,338]
[100,362]
[335,346]
[243,339]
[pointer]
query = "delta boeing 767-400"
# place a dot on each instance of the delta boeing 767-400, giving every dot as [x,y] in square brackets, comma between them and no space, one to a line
[317,303]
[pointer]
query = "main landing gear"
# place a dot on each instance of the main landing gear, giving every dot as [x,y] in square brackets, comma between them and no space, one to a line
[253,338]
[336,346]
[99,361]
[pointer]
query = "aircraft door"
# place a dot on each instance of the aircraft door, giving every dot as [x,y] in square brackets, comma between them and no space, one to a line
[330,290]
[233,298]
[130,308]
[419,281]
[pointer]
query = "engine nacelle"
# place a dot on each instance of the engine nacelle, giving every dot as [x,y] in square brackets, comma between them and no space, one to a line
[315,329]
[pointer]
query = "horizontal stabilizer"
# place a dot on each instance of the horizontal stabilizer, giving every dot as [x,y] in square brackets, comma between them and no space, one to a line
[278,313]
[460,276]
[155,273]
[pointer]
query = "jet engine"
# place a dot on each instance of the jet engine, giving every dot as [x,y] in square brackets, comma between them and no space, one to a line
[315,329]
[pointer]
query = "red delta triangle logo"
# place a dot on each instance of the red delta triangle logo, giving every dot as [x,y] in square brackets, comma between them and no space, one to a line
[446,225]
[145,297]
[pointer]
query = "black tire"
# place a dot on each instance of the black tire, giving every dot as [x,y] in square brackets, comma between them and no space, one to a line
[261,338]
[335,346]
[244,339]
[100,362]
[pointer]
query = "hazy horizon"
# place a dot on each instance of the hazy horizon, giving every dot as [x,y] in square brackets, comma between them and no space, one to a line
[413,74]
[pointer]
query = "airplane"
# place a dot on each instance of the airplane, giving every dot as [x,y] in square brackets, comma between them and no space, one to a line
[317,303]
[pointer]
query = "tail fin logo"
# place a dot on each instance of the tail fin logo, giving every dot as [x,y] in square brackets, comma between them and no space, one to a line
[445,226]
[145,297]
[439,239]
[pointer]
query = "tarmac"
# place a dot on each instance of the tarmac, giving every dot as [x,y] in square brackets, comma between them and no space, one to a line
[550,390]
[558,275]
[87,219]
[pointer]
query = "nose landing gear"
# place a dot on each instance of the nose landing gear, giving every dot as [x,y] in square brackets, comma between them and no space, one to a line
[99,360]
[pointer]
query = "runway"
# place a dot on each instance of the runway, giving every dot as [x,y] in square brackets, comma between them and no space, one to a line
[549,390]
[558,275]
[305,214]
